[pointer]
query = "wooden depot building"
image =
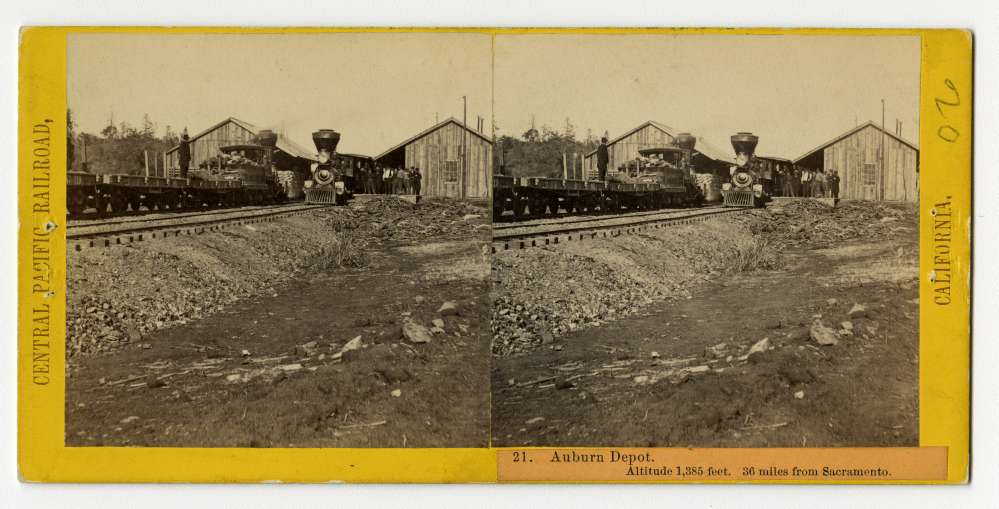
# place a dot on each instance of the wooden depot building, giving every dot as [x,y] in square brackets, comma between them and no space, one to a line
[232,131]
[873,164]
[455,161]
[651,134]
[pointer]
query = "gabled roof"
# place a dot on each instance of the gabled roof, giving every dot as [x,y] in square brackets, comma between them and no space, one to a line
[245,125]
[702,146]
[851,132]
[293,149]
[658,125]
[284,143]
[430,130]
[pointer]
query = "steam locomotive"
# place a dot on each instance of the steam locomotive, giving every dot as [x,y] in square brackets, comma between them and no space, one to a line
[660,177]
[331,182]
[745,186]
[240,175]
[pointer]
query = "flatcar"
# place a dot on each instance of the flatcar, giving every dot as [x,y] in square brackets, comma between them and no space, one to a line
[241,175]
[660,177]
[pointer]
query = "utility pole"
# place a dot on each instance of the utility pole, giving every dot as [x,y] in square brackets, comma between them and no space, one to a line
[464,143]
[882,190]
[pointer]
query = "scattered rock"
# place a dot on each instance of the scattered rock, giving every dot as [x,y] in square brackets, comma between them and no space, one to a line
[245,353]
[534,420]
[448,308]
[129,419]
[799,334]
[857,311]
[823,335]
[419,299]
[799,395]
[832,302]
[235,377]
[353,344]
[290,367]
[716,351]
[469,217]
[847,325]
[438,323]
[396,393]
[654,355]
[641,379]
[415,332]
[761,346]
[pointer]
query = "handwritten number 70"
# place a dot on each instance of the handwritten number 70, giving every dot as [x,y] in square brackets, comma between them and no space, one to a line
[947,132]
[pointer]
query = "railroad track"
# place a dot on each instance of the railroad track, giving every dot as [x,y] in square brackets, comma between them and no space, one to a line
[145,216]
[530,236]
[140,229]
[577,219]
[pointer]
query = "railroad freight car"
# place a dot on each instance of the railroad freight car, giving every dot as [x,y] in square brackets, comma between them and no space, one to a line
[660,177]
[240,175]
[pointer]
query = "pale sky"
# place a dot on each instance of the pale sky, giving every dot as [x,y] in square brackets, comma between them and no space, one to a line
[794,92]
[377,89]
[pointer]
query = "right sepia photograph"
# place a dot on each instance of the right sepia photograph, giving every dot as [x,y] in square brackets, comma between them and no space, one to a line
[705,240]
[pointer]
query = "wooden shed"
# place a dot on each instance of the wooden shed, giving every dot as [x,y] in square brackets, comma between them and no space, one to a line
[455,161]
[205,145]
[873,164]
[654,134]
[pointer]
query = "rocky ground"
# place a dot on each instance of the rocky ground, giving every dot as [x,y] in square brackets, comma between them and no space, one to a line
[796,325]
[362,327]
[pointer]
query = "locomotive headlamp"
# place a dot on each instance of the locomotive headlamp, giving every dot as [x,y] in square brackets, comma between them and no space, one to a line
[307,184]
[324,177]
[742,179]
[324,157]
[726,186]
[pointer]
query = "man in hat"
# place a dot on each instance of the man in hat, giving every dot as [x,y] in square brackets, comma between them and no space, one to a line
[603,157]
[184,153]
[417,180]
[832,182]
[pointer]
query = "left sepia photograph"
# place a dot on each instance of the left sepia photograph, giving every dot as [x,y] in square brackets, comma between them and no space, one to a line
[278,240]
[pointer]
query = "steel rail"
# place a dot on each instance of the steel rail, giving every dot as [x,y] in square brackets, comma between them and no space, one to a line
[574,231]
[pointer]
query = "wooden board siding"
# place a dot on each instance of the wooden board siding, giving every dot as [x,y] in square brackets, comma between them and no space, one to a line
[627,148]
[850,155]
[432,154]
[207,146]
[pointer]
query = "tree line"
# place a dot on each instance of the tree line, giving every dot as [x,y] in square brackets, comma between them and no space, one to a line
[118,147]
[538,153]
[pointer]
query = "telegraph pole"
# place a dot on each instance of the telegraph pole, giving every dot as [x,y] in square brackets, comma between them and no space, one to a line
[882,191]
[464,143]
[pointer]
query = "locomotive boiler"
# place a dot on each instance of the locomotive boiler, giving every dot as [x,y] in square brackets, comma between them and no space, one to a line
[745,185]
[330,183]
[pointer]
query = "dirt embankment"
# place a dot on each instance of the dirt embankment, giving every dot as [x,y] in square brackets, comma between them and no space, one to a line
[380,340]
[539,294]
[819,349]
[119,294]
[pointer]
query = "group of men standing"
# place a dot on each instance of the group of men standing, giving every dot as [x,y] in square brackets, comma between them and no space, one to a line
[806,182]
[391,180]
